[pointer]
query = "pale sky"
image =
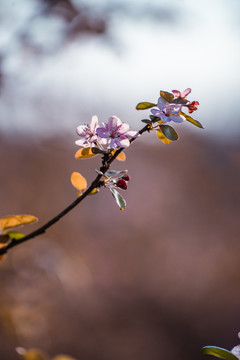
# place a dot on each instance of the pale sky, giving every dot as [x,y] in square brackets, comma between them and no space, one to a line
[199,49]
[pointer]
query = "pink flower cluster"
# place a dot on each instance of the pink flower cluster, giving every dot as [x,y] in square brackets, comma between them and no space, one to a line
[170,111]
[114,133]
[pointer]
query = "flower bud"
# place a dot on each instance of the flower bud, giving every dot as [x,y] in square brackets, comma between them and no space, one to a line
[121,183]
[125,177]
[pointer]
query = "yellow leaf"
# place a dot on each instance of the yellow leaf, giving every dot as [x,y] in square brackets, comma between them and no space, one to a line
[120,157]
[162,137]
[94,191]
[84,153]
[31,354]
[78,181]
[12,221]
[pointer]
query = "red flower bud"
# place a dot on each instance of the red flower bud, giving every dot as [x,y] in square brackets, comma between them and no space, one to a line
[192,106]
[121,183]
[125,177]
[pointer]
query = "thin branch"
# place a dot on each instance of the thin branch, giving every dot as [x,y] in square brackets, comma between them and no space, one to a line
[107,161]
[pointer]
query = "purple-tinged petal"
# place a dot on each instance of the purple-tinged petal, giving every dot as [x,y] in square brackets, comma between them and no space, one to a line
[173,108]
[162,103]
[113,123]
[112,144]
[186,92]
[177,118]
[156,112]
[102,132]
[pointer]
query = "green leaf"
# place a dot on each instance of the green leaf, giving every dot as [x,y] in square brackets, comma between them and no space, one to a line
[169,132]
[147,121]
[119,199]
[191,120]
[162,137]
[145,105]
[14,235]
[218,352]
[154,118]
[167,96]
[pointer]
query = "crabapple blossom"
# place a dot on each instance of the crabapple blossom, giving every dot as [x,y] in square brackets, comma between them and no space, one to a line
[89,134]
[116,132]
[168,111]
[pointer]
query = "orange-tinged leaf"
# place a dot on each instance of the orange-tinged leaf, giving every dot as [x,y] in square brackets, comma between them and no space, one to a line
[162,137]
[12,221]
[167,96]
[120,157]
[84,153]
[78,181]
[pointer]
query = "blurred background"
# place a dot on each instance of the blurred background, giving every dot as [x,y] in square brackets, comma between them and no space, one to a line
[162,278]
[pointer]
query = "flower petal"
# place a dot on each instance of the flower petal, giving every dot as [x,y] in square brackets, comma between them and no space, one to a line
[94,123]
[123,128]
[176,93]
[81,130]
[83,143]
[162,103]
[177,118]
[113,123]
[102,132]
[122,142]
[185,93]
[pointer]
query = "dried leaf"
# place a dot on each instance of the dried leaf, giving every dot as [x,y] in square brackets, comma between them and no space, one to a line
[13,221]
[78,181]
[84,153]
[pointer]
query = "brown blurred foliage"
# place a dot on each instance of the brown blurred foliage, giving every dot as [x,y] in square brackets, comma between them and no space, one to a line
[158,280]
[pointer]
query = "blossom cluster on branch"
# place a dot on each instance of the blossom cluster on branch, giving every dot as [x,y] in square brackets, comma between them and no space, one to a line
[108,139]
